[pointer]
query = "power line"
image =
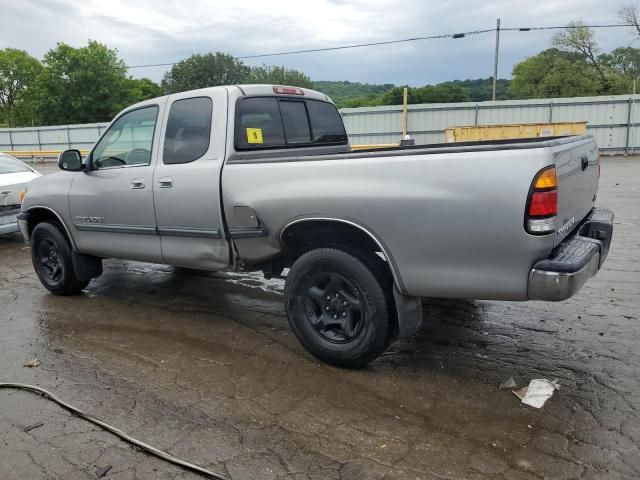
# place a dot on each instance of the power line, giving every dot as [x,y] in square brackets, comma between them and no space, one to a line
[342,47]
[404,40]
[371,44]
[565,27]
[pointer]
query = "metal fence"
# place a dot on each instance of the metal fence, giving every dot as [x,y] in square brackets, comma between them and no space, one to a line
[613,120]
[81,136]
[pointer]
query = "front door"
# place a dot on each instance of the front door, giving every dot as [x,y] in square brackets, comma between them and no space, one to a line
[187,181]
[112,202]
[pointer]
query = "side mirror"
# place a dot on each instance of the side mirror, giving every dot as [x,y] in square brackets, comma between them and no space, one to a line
[71,161]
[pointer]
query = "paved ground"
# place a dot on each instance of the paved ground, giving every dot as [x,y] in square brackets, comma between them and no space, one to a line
[206,368]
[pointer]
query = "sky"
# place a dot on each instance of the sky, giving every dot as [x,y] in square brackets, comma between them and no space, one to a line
[159,31]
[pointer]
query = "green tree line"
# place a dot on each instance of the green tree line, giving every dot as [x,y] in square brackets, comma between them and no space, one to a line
[91,83]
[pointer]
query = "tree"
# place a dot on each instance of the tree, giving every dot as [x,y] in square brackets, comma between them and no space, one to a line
[554,73]
[629,15]
[622,61]
[367,101]
[354,92]
[426,94]
[578,38]
[142,89]
[623,67]
[481,89]
[278,75]
[441,94]
[79,85]
[18,73]
[201,71]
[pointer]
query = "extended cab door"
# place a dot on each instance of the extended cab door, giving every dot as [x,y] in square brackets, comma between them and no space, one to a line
[112,202]
[186,181]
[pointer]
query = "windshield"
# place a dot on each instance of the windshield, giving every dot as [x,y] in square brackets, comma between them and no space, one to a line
[11,165]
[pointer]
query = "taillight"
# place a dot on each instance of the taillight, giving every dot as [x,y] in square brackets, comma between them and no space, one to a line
[288,90]
[542,204]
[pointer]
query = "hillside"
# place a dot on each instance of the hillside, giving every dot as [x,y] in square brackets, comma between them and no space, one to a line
[355,94]
[480,89]
[339,91]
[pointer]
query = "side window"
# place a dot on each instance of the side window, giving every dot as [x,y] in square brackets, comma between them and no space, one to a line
[128,141]
[259,124]
[188,130]
[296,122]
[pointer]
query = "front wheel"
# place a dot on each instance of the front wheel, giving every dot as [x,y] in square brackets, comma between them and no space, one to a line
[51,256]
[337,308]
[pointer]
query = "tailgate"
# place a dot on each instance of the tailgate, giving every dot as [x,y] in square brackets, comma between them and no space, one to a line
[578,170]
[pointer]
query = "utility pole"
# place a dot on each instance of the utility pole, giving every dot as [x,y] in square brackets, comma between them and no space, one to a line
[495,59]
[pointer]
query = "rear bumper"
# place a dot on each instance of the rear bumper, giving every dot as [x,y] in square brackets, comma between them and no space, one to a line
[574,261]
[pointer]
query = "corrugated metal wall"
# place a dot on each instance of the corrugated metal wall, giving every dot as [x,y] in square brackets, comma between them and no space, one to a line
[81,136]
[613,120]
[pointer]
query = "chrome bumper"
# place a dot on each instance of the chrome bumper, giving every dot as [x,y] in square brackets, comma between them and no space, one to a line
[23,226]
[575,260]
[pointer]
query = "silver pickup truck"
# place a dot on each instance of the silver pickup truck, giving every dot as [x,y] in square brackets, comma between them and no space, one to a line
[262,177]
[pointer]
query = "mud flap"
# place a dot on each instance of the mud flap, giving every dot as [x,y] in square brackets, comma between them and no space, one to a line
[409,313]
[86,267]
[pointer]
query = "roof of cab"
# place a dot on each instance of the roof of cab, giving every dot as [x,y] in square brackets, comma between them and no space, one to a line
[245,89]
[267,89]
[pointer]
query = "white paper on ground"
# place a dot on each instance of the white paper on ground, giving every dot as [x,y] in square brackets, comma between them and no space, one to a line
[537,392]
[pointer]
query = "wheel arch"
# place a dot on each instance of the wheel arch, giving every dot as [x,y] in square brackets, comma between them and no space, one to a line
[344,224]
[39,213]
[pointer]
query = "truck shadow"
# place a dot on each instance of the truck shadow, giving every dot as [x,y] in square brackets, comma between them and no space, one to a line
[484,340]
[457,336]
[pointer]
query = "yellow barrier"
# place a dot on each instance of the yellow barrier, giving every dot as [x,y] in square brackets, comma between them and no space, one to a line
[38,153]
[374,145]
[504,132]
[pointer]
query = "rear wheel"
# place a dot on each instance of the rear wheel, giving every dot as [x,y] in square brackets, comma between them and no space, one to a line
[337,308]
[51,257]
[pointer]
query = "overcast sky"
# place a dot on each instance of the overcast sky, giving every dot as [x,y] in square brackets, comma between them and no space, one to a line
[153,31]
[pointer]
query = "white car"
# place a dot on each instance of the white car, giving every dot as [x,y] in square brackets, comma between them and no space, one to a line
[14,176]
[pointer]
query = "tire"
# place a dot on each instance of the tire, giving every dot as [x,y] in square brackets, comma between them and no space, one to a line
[52,260]
[337,308]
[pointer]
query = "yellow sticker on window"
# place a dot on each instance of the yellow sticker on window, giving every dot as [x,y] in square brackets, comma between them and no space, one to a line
[254,135]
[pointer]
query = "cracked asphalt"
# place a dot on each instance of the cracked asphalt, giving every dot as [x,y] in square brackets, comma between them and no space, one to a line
[205,367]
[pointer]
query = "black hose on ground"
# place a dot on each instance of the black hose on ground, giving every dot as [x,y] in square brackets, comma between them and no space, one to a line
[119,433]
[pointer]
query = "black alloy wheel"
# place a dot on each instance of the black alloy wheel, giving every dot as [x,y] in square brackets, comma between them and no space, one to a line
[52,259]
[338,307]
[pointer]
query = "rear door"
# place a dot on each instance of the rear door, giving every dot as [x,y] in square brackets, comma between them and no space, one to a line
[186,181]
[578,171]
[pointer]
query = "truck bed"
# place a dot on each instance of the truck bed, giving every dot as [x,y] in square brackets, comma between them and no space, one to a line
[331,152]
[451,216]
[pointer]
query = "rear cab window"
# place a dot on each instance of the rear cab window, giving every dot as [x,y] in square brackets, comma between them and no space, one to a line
[276,122]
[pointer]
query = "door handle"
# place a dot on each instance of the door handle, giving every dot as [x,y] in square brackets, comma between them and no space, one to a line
[165,182]
[137,183]
[585,162]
